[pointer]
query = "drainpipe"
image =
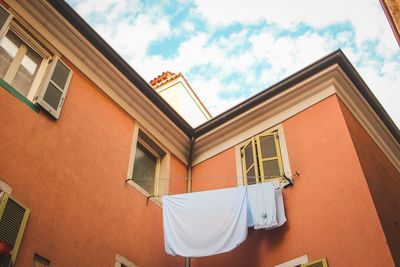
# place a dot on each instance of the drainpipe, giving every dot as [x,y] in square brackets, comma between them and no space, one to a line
[189,168]
[189,184]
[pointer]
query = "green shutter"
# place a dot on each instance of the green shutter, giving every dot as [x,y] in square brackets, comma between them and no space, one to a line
[13,219]
[269,156]
[52,94]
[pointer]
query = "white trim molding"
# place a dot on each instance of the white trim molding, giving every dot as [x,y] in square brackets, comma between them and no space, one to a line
[4,187]
[122,260]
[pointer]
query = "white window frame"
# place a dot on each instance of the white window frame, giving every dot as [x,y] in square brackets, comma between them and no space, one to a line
[284,154]
[28,40]
[4,187]
[119,260]
[295,262]
[161,181]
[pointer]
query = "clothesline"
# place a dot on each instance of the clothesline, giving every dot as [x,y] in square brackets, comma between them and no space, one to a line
[216,177]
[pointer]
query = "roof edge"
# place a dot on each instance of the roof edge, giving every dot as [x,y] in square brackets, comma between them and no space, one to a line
[110,54]
[336,57]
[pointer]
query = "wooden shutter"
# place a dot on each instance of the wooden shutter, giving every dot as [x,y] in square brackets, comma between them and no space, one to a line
[13,218]
[5,19]
[52,94]
[318,263]
[269,156]
[249,162]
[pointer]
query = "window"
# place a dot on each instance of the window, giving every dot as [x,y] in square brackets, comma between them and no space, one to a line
[148,167]
[318,263]
[263,158]
[39,261]
[145,167]
[303,262]
[297,262]
[20,64]
[29,68]
[13,218]
[121,261]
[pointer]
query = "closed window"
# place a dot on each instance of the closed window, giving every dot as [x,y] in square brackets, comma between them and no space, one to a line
[145,167]
[31,69]
[263,158]
[121,261]
[317,263]
[148,169]
[39,261]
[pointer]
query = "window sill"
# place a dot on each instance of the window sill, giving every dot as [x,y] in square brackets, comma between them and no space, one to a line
[156,200]
[18,95]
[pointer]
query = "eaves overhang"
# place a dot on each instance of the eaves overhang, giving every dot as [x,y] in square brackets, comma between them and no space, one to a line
[110,54]
[336,57]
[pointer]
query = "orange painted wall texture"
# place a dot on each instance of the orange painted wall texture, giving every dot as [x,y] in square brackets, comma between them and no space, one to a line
[330,211]
[178,177]
[383,181]
[70,173]
[215,173]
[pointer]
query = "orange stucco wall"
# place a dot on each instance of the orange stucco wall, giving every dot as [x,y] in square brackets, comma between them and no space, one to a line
[383,181]
[70,173]
[215,173]
[178,177]
[330,210]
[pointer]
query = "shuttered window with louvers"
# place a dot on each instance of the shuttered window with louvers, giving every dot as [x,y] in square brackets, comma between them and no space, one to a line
[10,222]
[13,219]
[52,95]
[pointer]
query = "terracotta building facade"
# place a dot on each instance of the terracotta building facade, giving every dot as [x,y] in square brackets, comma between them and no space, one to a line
[88,148]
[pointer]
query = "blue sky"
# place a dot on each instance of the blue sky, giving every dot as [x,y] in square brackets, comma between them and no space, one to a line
[230,50]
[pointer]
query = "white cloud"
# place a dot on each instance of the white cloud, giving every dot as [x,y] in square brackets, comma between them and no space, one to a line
[224,57]
[209,89]
[366,16]
[385,86]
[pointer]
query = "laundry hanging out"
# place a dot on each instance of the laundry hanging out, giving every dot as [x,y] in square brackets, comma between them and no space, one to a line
[213,222]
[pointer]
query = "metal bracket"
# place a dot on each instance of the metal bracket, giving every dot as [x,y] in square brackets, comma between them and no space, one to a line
[147,199]
[290,180]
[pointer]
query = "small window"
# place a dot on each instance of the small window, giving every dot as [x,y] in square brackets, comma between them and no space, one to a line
[121,261]
[147,165]
[39,261]
[31,69]
[317,263]
[297,262]
[20,63]
[262,158]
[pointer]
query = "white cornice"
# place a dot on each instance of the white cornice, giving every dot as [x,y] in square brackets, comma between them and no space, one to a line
[363,112]
[71,44]
[292,101]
